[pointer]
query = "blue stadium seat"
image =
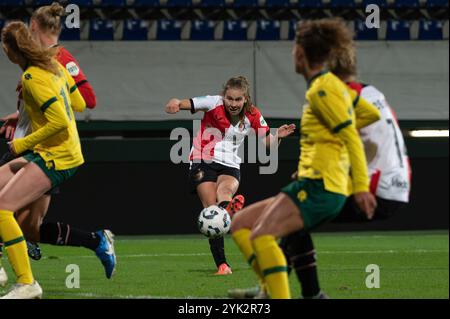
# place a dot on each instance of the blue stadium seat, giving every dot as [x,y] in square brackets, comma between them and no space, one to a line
[363,33]
[39,2]
[292,29]
[113,3]
[437,3]
[398,30]
[82,3]
[431,30]
[69,34]
[101,30]
[168,30]
[179,3]
[12,2]
[202,30]
[310,3]
[245,3]
[342,3]
[406,3]
[235,30]
[268,30]
[146,3]
[135,30]
[212,3]
[380,3]
[277,3]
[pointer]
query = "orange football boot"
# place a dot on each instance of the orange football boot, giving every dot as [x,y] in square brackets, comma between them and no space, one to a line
[235,205]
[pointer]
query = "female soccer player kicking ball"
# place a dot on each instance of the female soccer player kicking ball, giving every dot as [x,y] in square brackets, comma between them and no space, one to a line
[329,143]
[214,169]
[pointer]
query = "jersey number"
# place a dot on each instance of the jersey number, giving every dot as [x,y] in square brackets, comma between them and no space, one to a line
[390,122]
[66,103]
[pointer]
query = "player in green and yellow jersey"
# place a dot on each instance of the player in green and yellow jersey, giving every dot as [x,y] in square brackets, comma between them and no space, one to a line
[45,28]
[330,150]
[51,153]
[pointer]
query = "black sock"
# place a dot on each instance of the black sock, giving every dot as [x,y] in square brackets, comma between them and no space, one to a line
[284,248]
[303,260]
[224,203]
[217,246]
[61,234]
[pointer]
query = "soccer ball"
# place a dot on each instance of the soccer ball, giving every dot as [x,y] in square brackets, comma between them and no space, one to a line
[214,221]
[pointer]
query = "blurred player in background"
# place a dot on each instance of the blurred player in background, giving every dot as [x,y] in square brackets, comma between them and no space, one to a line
[49,94]
[385,148]
[215,164]
[330,145]
[45,27]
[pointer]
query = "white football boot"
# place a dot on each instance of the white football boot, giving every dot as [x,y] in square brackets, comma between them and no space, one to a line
[24,291]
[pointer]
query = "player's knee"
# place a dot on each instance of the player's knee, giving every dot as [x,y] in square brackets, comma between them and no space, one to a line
[260,230]
[225,191]
[236,223]
[5,204]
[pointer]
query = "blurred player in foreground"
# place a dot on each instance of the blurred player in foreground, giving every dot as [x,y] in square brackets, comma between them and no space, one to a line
[330,145]
[45,27]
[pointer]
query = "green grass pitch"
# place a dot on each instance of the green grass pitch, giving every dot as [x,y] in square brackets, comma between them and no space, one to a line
[412,265]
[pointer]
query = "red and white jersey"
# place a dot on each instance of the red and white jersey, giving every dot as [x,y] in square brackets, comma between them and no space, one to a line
[386,153]
[66,59]
[218,140]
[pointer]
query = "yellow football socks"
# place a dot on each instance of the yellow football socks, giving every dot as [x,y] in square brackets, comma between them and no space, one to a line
[15,245]
[242,240]
[273,266]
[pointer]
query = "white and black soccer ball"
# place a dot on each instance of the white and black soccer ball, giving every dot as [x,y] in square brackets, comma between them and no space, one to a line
[214,221]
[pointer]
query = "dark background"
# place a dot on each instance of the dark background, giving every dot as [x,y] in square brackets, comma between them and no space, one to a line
[129,185]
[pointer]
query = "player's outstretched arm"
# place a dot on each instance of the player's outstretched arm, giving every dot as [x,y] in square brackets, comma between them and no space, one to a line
[282,132]
[175,105]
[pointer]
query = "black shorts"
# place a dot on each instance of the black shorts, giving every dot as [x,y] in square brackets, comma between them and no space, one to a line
[208,172]
[8,157]
[351,212]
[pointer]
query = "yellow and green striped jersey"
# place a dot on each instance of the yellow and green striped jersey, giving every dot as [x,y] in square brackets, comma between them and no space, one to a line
[331,148]
[49,102]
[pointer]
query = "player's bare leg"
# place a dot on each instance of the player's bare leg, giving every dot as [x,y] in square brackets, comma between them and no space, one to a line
[31,217]
[8,170]
[27,185]
[207,191]
[248,216]
[227,187]
[280,218]
[244,221]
